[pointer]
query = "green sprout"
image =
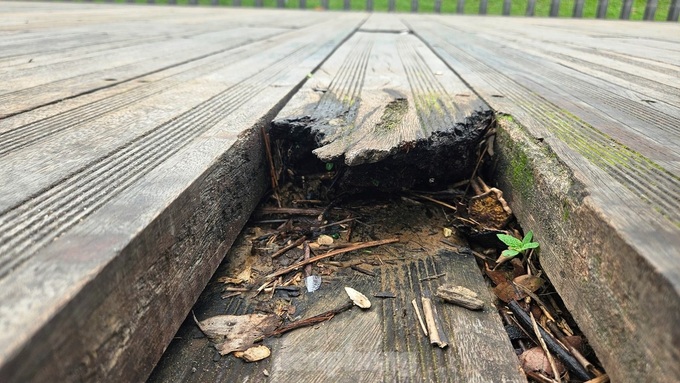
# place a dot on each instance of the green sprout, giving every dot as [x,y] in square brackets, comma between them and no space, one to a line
[329,166]
[515,246]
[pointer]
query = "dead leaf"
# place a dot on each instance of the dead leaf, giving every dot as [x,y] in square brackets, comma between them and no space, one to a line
[498,277]
[237,332]
[507,292]
[535,360]
[254,354]
[530,282]
[358,298]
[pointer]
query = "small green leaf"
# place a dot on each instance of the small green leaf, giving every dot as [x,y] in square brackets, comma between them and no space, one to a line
[509,253]
[530,245]
[510,240]
[329,166]
[527,237]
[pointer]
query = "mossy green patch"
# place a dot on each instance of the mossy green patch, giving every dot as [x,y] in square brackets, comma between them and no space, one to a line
[393,114]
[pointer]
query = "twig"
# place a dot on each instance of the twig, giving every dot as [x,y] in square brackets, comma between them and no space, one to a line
[359,246]
[272,168]
[311,321]
[362,270]
[432,277]
[576,353]
[297,243]
[337,223]
[551,360]
[287,210]
[569,361]
[435,201]
[420,318]
[237,289]
[431,322]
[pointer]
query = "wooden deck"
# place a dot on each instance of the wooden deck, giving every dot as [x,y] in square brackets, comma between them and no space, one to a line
[131,157]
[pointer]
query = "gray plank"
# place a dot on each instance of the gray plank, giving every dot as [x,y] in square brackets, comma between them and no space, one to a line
[146,210]
[609,179]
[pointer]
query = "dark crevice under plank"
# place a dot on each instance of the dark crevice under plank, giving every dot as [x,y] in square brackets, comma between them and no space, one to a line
[607,221]
[104,253]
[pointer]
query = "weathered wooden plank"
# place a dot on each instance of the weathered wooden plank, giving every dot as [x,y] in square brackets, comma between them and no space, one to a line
[554,8]
[382,344]
[378,98]
[642,108]
[102,261]
[613,229]
[460,7]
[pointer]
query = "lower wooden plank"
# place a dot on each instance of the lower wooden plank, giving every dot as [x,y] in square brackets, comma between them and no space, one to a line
[382,344]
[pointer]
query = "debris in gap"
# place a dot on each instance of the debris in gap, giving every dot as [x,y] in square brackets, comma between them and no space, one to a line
[311,220]
[488,208]
[460,296]
[357,246]
[236,332]
[569,361]
[358,298]
[254,354]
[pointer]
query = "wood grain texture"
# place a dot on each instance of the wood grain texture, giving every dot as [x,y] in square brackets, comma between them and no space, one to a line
[389,110]
[604,194]
[118,204]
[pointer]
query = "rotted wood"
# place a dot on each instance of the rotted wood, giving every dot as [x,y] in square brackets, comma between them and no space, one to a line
[384,112]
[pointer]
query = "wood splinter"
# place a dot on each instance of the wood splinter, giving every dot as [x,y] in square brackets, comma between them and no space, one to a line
[461,296]
[436,337]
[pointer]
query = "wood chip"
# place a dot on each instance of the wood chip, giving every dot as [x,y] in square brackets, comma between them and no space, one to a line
[254,354]
[358,298]
[461,296]
[325,240]
[431,322]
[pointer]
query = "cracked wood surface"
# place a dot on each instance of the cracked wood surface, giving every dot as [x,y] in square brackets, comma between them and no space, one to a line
[130,159]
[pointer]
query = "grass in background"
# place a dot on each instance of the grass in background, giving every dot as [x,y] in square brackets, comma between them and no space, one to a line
[494,7]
